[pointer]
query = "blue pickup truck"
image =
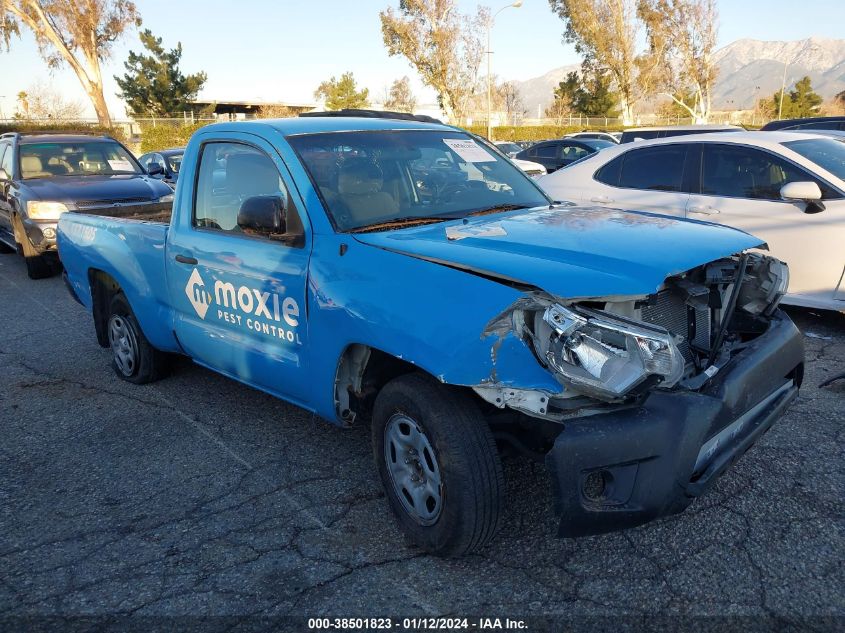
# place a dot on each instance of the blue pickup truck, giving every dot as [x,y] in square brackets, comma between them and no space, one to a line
[407,274]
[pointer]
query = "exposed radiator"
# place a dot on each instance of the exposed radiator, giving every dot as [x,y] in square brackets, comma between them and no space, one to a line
[671,311]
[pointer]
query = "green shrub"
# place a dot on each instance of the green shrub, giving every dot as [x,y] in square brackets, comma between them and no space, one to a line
[166,136]
[64,128]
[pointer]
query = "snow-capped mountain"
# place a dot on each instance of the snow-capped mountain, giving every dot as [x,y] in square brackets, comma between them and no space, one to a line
[748,70]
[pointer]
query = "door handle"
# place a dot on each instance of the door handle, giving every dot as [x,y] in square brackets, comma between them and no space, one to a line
[601,199]
[184,259]
[703,210]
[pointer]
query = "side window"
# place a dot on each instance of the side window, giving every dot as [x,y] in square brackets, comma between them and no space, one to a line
[572,153]
[609,173]
[546,151]
[657,168]
[230,174]
[743,172]
[6,153]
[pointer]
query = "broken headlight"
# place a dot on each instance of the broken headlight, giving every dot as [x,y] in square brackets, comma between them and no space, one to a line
[605,356]
[766,281]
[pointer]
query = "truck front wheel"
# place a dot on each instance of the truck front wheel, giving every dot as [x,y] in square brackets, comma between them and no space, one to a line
[438,464]
[133,358]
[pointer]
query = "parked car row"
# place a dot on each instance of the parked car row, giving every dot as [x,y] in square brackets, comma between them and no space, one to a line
[788,188]
[409,273]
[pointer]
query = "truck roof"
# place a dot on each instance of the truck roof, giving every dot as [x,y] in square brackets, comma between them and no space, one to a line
[316,125]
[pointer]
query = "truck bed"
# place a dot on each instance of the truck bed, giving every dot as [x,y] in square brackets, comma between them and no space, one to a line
[156,212]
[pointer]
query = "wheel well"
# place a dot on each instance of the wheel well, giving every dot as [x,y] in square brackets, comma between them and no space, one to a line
[361,373]
[103,288]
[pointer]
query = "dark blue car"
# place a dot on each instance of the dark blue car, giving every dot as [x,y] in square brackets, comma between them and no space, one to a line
[164,164]
[45,175]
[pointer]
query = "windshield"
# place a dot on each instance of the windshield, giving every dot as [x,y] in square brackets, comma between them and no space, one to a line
[509,148]
[46,160]
[175,162]
[827,153]
[371,178]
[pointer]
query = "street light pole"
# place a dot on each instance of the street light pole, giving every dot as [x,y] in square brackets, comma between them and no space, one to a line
[516,4]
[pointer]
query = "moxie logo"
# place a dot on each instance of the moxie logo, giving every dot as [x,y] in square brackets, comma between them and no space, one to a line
[197,295]
[267,305]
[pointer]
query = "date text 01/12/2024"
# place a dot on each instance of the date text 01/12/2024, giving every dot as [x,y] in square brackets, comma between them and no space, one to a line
[418,624]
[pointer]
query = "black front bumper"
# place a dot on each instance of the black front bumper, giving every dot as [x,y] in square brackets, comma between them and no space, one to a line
[617,470]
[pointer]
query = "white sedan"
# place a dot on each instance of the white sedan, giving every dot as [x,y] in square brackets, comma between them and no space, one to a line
[787,188]
[535,170]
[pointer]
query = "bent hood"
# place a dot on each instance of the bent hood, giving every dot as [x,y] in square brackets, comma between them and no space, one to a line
[74,188]
[570,252]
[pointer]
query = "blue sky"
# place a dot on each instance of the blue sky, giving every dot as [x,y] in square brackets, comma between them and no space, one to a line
[268,50]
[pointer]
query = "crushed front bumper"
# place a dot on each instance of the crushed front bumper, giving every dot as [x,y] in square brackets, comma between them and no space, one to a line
[621,469]
[41,236]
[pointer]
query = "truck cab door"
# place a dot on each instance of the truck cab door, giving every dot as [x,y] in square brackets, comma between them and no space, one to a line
[238,286]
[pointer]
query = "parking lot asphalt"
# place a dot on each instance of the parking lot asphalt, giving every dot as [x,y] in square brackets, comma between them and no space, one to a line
[197,495]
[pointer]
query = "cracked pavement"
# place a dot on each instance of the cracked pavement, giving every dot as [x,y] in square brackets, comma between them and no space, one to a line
[199,496]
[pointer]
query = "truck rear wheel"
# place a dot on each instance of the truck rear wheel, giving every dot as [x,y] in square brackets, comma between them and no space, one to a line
[438,464]
[133,358]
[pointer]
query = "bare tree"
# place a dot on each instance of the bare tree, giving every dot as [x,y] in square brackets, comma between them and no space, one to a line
[77,32]
[41,102]
[510,101]
[605,33]
[400,97]
[682,40]
[560,108]
[442,44]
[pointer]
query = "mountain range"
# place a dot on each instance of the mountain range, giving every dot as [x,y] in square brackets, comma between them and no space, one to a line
[747,70]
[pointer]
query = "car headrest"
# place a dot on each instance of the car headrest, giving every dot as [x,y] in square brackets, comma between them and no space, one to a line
[359,176]
[252,174]
[31,165]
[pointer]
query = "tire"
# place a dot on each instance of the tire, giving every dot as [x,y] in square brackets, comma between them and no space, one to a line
[449,440]
[133,358]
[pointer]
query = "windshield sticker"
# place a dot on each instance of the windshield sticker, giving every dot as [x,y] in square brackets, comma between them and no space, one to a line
[120,165]
[469,150]
[462,232]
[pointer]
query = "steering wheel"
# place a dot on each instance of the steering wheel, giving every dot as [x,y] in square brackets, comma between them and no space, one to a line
[450,190]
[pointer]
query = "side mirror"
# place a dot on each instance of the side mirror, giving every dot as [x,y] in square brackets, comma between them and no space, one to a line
[155,169]
[804,191]
[264,214]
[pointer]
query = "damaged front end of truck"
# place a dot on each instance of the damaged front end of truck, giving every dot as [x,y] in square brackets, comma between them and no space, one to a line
[659,394]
